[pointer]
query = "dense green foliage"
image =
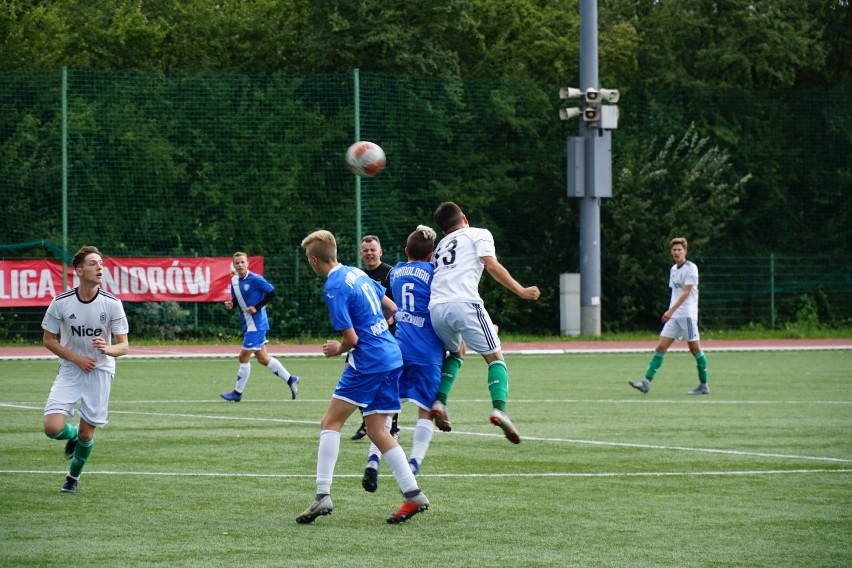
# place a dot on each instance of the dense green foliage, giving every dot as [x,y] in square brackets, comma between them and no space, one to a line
[736,131]
[742,44]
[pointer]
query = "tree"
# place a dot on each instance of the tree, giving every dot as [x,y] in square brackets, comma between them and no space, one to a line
[680,186]
[750,44]
[33,35]
[835,20]
[539,40]
[413,37]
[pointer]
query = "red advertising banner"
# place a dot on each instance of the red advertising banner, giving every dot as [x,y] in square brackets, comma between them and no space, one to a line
[26,283]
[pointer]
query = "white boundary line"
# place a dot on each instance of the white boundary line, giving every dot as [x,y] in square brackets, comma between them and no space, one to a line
[676,349]
[90,472]
[574,441]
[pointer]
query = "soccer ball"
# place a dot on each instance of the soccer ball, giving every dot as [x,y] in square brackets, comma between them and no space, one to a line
[365,159]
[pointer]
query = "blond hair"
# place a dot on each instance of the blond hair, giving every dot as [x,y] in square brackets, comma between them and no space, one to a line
[322,245]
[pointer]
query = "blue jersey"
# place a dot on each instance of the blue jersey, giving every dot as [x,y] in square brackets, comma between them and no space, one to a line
[411,284]
[355,301]
[249,291]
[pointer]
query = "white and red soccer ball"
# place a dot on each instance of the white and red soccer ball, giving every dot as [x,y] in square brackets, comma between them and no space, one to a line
[365,159]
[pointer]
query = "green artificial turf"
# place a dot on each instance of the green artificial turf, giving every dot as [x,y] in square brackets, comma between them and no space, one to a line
[758,473]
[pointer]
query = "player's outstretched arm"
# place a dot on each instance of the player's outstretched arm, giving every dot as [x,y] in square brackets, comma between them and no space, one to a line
[501,274]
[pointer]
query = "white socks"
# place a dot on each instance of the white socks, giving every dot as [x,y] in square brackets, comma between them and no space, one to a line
[329,448]
[243,377]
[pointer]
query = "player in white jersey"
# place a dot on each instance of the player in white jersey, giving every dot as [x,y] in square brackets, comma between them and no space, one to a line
[459,316]
[250,293]
[79,327]
[680,321]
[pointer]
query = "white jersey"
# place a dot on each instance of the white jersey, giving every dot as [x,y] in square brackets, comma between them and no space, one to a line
[77,323]
[678,279]
[458,265]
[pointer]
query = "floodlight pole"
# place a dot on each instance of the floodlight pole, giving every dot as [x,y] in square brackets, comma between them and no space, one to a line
[590,206]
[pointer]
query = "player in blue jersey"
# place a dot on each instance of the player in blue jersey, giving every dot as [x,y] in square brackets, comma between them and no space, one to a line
[79,328]
[680,320]
[422,350]
[251,292]
[359,310]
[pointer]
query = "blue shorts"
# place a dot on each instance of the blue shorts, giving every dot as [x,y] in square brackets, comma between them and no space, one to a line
[419,383]
[374,393]
[254,340]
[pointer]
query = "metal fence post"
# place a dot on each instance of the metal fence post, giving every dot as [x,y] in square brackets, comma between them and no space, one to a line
[772,290]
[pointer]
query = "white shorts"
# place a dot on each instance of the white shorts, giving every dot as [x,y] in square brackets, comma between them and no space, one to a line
[91,390]
[681,328]
[469,321]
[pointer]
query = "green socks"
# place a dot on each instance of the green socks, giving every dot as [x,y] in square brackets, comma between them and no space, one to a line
[81,456]
[701,362]
[498,384]
[81,452]
[498,380]
[655,363]
[68,432]
[449,372]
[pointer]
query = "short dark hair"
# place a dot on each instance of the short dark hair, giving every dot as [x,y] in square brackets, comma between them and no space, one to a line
[448,215]
[370,239]
[421,242]
[80,255]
